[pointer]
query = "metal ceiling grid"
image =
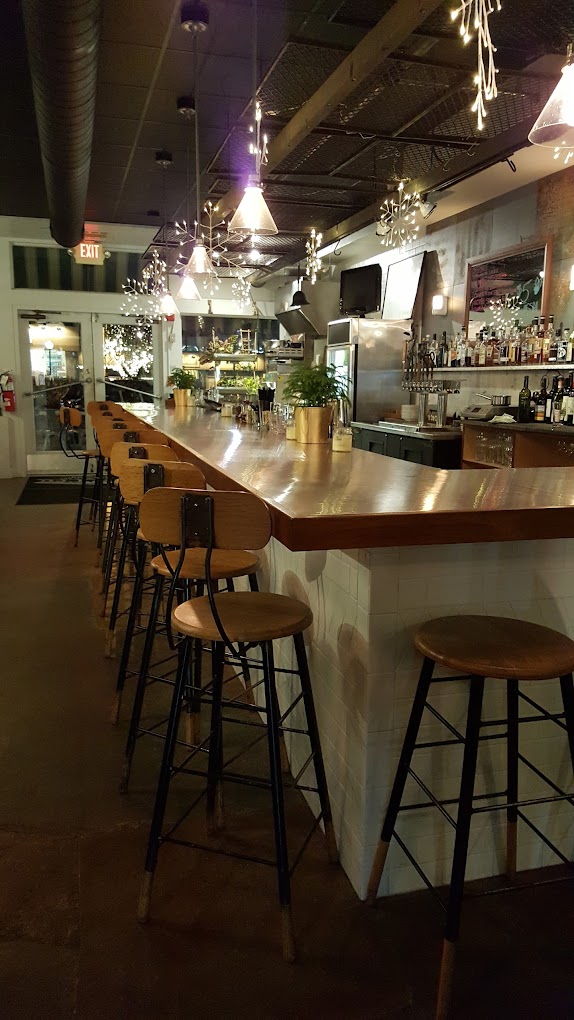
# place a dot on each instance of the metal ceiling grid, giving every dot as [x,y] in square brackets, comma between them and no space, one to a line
[299,71]
[518,99]
[320,154]
[361,11]
[394,95]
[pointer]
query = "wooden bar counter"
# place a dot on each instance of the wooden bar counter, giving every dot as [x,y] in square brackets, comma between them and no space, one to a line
[322,500]
[375,546]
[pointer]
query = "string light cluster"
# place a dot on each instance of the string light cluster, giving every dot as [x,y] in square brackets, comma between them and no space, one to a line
[474,15]
[313,261]
[219,260]
[145,298]
[128,349]
[397,225]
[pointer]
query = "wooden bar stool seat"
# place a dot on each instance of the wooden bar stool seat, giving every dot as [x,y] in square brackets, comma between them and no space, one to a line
[509,650]
[497,647]
[249,617]
[224,563]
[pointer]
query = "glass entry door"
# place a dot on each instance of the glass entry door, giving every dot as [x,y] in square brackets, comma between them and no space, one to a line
[60,365]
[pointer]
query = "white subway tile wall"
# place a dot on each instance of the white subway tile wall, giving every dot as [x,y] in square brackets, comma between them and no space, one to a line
[364,670]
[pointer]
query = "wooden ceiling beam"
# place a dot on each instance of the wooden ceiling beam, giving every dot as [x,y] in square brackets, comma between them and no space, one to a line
[389,33]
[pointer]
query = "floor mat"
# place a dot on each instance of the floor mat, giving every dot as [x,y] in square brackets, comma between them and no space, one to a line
[42,489]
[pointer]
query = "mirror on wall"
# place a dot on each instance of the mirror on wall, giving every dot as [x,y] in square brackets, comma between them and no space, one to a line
[508,286]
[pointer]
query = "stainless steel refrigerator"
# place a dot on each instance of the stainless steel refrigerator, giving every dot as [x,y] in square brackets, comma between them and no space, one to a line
[367,355]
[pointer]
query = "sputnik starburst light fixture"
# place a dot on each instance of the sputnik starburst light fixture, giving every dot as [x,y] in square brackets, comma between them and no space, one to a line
[474,15]
[314,262]
[397,225]
[554,128]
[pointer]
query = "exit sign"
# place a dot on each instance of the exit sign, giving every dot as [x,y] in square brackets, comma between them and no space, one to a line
[89,253]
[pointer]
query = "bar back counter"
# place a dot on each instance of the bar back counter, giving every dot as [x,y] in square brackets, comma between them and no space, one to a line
[375,546]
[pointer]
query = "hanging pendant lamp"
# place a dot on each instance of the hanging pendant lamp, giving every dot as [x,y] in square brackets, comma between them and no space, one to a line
[299,298]
[252,215]
[554,128]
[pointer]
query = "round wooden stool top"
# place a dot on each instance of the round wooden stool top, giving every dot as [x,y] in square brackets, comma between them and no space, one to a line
[494,646]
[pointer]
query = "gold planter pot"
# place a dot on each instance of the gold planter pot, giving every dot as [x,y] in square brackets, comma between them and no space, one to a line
[312,424]
[184,398]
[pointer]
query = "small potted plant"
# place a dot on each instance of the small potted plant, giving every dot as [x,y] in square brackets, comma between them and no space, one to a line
[185,386]
[315,391]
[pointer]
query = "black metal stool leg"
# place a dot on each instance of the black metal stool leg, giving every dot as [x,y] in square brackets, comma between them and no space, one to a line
[103,504]
[81,499]
[130,628]
[273,735]
[214,791]
[253,582]
[164,777]
[96,493]
[456,888]
[567,689]
[401,776]
[142,681]
[512,776]
[109,549]
[126,539]
[244,666]
[308,701]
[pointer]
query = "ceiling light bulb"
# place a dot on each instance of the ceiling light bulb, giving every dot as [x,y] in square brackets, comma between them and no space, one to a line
[168,306]
[188,289]
[252,215]
[200,263]
[49,345]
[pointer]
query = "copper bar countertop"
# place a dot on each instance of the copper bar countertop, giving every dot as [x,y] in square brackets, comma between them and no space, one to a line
[359,500]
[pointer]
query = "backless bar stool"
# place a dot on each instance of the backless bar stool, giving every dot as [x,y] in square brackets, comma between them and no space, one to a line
[229,521]
[186,576]
[126,521]
[70,421]
[481,646]
[136,477]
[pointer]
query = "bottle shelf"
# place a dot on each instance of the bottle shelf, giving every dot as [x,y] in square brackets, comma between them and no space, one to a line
[549,366]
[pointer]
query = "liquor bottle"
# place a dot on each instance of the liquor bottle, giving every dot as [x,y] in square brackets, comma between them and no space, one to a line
[527,346]
[524,402]
[537,349]
[445,356]
[550,401]
[560,344]
[546,337]
[488,351]
[568,410]
[453,352]
[550,341]
[567,338]
[481,352]
[541,405]
[533,404]
[503,348]
[558,405]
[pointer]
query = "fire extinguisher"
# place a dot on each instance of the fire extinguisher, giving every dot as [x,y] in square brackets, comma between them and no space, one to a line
[7,393]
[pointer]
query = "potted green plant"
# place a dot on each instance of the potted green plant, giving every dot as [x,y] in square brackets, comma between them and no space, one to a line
[315,391]
[185,386]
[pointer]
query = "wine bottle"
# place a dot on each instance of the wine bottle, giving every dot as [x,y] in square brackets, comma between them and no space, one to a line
[550,401]
[524,402]
[541,405]
[557,406]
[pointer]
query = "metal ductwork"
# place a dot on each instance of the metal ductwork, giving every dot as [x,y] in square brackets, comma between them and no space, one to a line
[63,38]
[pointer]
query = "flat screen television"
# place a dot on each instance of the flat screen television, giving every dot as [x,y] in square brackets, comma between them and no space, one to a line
[360,290]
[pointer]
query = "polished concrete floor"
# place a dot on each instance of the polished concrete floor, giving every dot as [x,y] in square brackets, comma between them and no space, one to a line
[71,854]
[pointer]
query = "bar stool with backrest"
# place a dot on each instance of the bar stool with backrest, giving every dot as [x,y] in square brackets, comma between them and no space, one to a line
[71,419]
[511,651]
[185,577]
[227,522]
[136,477]
[109,440]
[126,520]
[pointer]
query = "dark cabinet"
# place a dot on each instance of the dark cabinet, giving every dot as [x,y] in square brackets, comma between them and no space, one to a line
[441,453]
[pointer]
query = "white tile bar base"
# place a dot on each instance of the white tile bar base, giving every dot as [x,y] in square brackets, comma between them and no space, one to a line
[364,670]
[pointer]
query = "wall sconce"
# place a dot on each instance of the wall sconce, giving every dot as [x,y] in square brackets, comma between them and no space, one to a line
[439,304]
[572,278]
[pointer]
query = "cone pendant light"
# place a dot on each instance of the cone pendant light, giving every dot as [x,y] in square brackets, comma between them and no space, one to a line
[252,216]
[554,127]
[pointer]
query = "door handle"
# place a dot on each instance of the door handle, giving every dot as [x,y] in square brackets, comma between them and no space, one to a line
[88,379]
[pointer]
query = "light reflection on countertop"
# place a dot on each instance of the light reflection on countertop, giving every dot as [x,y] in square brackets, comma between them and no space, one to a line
[361,499]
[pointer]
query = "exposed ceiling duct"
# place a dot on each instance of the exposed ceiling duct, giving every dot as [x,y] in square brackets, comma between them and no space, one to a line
[63,43]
